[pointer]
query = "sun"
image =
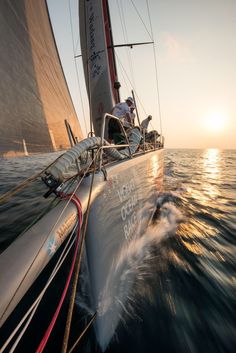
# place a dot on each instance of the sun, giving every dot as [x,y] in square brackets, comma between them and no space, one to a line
[215,122]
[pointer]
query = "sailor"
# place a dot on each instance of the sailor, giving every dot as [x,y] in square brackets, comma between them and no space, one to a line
[145,123]
[121,111]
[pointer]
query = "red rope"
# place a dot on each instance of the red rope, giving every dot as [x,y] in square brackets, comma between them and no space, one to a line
[46,336]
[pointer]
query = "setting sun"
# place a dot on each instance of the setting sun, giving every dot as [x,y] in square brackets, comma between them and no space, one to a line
[215,122]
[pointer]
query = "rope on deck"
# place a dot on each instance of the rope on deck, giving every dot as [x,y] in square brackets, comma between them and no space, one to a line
[77,266]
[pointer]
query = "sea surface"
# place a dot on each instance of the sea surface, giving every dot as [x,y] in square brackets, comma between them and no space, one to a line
[184,298]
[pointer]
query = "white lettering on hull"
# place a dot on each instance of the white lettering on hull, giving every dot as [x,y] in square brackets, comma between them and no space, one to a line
[125,190]
[129,200]
[128,207]
[130,226]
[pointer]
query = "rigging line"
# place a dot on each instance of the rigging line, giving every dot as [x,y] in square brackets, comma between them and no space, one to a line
[50,232]
[130,83]
[78,40]
[124,79]
[128,50]
[31,311]
[71,28]
[77,43]
[141,19]
[76,69]
[78,262]
[123,69]
[81,98]
[122,25]
[156,74]
[124,30]
[83,332]
[47,334]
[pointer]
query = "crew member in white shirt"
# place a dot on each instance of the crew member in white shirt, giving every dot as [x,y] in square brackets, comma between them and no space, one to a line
[145,123]
[121,111]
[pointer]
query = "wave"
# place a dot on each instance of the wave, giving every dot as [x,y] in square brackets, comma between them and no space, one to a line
[126,283]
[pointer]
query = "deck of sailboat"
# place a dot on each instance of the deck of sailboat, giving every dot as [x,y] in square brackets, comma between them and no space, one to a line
[107,161]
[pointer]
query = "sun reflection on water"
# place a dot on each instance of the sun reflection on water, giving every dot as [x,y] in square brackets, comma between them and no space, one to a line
[211,173]
[208,179]
[211,163]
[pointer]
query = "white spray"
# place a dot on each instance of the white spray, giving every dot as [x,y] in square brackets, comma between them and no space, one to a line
[129,272]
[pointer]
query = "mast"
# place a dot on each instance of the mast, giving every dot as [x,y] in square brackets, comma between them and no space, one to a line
[111,52]
[99,65]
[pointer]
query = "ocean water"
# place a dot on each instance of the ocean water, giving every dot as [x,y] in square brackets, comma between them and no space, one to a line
[184,295]
[17,213]
[186,298]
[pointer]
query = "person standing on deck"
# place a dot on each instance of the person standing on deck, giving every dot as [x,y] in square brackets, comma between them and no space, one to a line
[121,111]
[145,123]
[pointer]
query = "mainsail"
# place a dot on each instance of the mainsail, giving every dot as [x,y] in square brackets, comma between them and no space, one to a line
[34,99]
[98,60]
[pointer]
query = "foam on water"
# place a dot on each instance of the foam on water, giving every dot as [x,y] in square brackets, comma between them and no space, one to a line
[127,277]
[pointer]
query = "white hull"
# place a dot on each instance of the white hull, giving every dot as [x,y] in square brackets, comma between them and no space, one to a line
[122,207]
[120,213]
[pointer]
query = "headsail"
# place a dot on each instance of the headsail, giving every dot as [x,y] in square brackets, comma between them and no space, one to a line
[35,99]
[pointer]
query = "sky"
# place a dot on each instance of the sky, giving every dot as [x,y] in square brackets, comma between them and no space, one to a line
[194,55]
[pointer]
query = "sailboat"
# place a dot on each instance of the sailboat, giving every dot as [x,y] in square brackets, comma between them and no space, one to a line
[109,200]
